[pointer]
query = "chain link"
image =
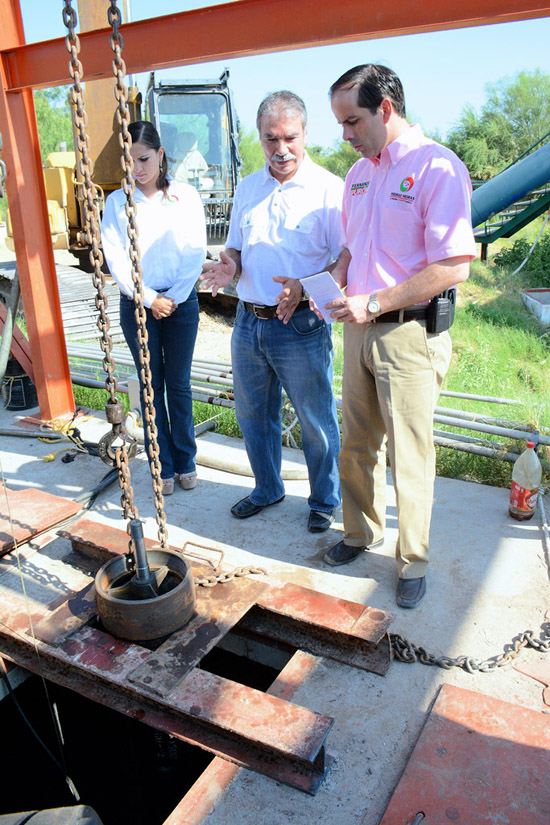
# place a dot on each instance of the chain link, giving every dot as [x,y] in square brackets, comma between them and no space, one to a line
[128,184]
[92,237]
[218,576]
[406,651]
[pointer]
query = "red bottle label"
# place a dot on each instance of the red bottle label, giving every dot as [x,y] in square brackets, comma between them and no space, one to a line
[523,499]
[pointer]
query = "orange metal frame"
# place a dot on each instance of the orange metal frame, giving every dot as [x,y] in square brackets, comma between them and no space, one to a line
[230,30]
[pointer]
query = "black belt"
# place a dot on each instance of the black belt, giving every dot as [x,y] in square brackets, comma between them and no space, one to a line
[398,316]
[267,312]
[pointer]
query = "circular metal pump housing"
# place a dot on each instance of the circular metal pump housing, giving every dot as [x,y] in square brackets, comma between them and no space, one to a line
[140,607]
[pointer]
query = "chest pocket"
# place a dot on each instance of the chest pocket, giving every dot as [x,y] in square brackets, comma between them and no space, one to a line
[253,228]
[401,230]
[302,231]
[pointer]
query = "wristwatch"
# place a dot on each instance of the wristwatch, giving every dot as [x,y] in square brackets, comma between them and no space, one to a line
[373,306]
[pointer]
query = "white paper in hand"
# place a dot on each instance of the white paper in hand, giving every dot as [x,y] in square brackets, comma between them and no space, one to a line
[323,289]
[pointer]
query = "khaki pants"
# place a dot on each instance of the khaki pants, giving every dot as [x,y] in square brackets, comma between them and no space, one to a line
[392,378]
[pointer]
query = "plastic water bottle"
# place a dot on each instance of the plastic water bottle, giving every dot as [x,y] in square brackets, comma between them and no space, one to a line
[526,477]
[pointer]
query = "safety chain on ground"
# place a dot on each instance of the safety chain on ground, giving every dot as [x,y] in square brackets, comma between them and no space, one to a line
[219,577]
[128,184]
[405,651]
[114,409]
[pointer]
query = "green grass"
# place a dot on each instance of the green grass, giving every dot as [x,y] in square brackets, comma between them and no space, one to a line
[499,349]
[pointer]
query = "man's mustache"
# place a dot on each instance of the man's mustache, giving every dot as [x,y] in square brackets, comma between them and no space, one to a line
[277,158]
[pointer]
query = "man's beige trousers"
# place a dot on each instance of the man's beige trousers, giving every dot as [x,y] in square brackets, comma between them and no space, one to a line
[392,378]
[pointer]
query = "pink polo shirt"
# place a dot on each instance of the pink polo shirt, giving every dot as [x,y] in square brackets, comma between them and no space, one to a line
[408,208]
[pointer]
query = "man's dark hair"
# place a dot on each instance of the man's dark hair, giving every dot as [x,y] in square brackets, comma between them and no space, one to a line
[282,103]
[373,82]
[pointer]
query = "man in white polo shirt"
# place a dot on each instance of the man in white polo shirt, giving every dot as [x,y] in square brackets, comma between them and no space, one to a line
[285,225]
[409,239]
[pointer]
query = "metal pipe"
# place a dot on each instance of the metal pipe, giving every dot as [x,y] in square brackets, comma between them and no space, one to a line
[468,439]
[482,419]
[485,428]
[143,582]
[476,449]
[491,399]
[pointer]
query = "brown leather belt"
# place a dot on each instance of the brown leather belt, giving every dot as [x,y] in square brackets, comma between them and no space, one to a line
[264,313]
[399,316]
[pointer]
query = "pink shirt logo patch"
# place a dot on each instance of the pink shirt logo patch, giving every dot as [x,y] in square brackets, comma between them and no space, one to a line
[407,184]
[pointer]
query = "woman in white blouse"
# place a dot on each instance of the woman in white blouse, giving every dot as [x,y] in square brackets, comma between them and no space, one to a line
[172,242]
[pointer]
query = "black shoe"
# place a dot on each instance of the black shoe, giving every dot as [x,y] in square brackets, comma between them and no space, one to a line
[246,508]
[318,521]
[410,592]
[342,553]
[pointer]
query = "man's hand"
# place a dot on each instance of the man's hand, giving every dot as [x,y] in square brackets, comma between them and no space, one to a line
[162,307]
[289,298]
[218,273]
[350,310]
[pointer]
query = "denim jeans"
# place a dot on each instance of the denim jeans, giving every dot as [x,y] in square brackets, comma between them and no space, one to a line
[171,343]
[267,354]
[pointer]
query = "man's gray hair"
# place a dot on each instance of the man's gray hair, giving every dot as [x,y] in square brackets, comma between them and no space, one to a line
[279,104]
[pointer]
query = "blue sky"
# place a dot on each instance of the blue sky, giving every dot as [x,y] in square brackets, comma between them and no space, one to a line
[441,71]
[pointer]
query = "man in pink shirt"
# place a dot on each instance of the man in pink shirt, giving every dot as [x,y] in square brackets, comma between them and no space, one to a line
[408,240]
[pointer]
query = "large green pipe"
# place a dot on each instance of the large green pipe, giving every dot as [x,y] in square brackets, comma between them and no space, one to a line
[511,185]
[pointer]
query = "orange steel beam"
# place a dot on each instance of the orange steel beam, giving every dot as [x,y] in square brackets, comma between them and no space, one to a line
[254,27]
[33,246]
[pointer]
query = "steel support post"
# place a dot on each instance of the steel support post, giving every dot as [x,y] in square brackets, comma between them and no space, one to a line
[33,248]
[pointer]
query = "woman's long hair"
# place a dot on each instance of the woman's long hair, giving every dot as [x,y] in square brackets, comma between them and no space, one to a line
[144,132]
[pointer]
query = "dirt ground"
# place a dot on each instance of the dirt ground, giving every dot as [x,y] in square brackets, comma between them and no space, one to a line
[214,335]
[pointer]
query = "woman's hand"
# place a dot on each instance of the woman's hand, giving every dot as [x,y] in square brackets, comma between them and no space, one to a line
[162,307]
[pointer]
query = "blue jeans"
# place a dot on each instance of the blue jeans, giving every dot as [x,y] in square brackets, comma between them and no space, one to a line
[267,355]
[171,343]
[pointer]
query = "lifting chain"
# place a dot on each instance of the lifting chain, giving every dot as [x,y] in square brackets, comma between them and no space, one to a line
[128,184]
[219,577]
[114,409]
[113,448]
[405,651]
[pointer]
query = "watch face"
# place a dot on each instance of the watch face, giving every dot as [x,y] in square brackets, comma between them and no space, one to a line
[373,306]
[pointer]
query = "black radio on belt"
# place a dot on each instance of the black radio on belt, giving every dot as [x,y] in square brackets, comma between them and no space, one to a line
[441,311]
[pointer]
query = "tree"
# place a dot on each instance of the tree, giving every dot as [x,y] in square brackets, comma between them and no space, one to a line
[515,115]
[251,151]
[54,120]
[337,160]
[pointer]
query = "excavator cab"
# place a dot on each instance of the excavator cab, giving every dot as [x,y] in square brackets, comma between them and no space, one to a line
[197,126]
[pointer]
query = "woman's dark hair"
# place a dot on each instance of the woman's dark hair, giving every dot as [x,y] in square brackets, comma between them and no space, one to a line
[374,83]
[142,131]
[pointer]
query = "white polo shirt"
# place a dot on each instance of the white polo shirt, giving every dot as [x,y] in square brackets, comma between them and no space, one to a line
[172,241]
[292,228]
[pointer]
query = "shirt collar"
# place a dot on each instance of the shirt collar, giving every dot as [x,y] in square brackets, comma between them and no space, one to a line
[300,178]
[411,138]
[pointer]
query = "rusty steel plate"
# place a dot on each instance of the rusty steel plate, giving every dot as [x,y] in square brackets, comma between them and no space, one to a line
[218,609]
[479,761]
[28,512]
[250,728]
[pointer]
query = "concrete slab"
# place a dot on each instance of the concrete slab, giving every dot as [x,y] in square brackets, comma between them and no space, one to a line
[487,583]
